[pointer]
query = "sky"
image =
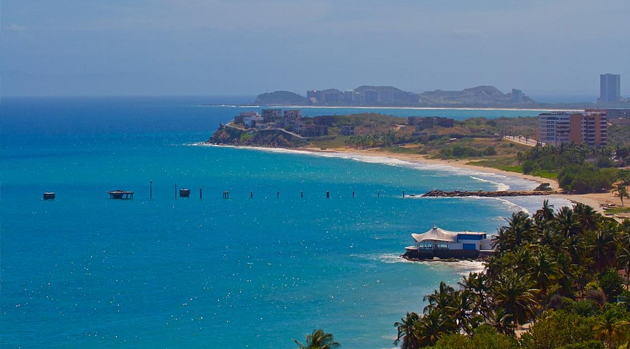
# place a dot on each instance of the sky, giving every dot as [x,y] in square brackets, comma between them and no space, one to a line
[246,47]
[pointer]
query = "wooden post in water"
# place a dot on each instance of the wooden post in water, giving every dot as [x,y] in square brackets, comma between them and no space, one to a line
[327,195]
[278,195]
[251,194]
[200,193]
[151,189]
[403,194]
[301,195]
[378,194]
[352,194]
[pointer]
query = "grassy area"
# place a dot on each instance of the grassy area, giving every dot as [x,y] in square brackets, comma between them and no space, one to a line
[505,163]
[545,174]
[618,210]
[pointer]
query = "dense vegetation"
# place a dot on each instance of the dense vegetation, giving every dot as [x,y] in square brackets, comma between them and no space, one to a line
[556,270]
[268,138]
[577,167]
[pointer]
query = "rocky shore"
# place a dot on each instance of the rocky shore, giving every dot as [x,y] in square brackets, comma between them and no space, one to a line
[458,193]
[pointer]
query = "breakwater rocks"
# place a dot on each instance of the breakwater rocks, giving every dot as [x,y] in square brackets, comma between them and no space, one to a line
[458,193]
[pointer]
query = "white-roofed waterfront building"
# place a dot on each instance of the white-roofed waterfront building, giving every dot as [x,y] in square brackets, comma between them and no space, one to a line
[442,244]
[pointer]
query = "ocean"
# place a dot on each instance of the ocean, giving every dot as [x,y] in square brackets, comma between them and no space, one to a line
[268,265]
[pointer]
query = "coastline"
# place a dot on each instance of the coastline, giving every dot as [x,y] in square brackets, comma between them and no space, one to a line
[595,200]
[386,107]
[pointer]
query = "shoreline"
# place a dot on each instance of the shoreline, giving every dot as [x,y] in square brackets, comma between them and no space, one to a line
[386,107]
[595,200]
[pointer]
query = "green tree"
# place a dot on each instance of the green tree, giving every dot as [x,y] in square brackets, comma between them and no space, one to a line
[544,271]
[319,340]
[433,325]
[622,191]
[559,328]
[440,299]
[484,337]
[612,328]
[407,331]
[477,285]
[516,296]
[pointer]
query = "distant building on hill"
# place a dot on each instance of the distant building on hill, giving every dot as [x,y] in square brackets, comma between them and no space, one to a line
[590,127]
[609,88]
[517,96]
[347,130]
[371,96]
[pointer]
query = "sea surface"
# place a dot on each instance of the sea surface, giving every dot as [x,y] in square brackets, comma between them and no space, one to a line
[268,265]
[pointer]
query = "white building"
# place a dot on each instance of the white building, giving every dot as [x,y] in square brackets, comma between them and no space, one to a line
[251,121]
[448,244]
[554,128]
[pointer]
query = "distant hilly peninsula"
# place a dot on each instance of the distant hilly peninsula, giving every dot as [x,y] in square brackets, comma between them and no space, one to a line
[389,96]
[486,96]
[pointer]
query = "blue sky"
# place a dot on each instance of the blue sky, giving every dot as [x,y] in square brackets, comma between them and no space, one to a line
[244,47]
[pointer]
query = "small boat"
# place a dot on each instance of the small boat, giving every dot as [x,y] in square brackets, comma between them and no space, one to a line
[444,244]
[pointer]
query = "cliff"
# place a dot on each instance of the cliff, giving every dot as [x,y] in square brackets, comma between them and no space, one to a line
[264,138]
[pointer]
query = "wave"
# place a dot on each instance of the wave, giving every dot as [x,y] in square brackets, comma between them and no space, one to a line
[461,267]
[500,181]
[500,186]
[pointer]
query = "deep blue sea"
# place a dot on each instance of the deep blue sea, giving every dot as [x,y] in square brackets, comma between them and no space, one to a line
[84,271]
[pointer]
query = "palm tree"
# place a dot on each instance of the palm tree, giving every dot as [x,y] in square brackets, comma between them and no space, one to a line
[603,246]
[567,222]
[408,331]
[518,231]
[433,325]
[477,284]
[587,216]
[544,271]
[319,340]
[622,191]
[545,213]
[440,299]
[610,328]
[501,321]
[516,296]
[462,311]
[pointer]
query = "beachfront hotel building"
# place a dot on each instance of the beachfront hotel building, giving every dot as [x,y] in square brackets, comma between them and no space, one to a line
[589,128]
[553,128]
[609,88]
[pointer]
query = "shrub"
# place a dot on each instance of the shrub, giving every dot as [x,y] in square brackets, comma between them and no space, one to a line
[611,283]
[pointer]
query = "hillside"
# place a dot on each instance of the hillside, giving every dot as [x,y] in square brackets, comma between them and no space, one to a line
[480,96]
[280,98]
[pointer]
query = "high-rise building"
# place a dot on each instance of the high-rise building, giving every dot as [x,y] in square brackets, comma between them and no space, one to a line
[517,96]
[553,128]
[589,128]
[609,88]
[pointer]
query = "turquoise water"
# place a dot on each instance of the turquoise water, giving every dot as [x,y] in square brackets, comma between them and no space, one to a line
[85,271]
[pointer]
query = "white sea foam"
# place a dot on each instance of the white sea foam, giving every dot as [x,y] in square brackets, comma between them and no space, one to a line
[500,186]
[461,267]
[526,204]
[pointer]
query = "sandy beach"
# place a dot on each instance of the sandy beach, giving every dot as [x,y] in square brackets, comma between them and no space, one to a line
[595,200]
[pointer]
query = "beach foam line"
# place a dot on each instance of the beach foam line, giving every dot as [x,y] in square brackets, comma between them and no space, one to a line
[500,186]
[387,160]
[498,179]
[462,267]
